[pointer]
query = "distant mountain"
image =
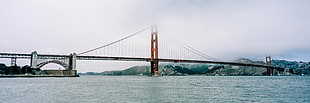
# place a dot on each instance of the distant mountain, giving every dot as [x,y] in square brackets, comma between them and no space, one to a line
[178,69]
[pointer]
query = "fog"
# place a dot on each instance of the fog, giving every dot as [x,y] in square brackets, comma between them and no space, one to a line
[220,28]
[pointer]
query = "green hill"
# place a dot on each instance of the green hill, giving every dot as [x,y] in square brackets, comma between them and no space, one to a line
[178,69]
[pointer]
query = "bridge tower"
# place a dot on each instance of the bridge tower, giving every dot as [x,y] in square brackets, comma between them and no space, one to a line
[154,53]
[268,63]
[72,61]
[34,59]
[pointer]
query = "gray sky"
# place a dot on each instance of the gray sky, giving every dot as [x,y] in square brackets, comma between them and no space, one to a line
[225,29]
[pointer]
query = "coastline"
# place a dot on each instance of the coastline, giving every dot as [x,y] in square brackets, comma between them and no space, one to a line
[30,76]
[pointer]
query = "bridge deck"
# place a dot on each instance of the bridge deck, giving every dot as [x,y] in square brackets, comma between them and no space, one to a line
[51,56]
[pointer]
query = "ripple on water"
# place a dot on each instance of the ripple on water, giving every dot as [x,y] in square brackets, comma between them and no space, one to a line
[140,89]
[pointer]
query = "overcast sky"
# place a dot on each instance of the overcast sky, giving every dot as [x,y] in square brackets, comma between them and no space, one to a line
[225,29]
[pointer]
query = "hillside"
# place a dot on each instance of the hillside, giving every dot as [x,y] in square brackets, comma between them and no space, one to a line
[178,69]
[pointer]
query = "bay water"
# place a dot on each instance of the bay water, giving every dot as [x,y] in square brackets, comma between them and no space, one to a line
[167,89]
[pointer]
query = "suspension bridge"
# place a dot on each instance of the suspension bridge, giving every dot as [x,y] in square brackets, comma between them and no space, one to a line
[139,46]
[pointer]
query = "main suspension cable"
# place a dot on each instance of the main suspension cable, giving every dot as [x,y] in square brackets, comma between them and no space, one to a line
[115,41]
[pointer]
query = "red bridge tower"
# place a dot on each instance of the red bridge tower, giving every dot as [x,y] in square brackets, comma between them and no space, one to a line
[154,52]
[268,63]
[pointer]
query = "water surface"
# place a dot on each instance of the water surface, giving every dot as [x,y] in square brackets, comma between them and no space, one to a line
[143,89]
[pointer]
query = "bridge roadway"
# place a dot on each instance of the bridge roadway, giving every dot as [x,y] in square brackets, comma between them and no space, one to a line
[52,56]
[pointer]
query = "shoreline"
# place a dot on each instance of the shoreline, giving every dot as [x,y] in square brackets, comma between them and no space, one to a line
[30,76]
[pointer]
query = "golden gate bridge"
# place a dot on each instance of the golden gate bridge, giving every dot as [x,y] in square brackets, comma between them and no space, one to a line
[130,48]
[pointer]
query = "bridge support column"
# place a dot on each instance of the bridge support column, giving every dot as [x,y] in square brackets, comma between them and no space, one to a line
[72,61]
[34,59]
[270,71]
[13,61]
[154,53]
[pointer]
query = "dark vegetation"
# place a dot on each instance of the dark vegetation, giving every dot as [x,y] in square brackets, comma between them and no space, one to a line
[15,70]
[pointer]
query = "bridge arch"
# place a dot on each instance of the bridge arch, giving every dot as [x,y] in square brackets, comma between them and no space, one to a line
[63,64]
